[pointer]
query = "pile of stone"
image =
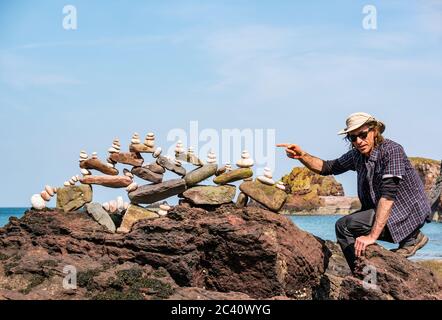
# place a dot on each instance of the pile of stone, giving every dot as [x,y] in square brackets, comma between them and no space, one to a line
[264,190]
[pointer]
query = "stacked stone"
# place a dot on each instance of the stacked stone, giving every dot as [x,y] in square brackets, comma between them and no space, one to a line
[93,163]
[265,191]
[155,192]
[110,177]
[147,147]
[204,194]
[115,206]
[39,201]
[72,197]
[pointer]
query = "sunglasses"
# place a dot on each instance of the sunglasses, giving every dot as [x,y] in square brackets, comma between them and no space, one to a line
[362,135]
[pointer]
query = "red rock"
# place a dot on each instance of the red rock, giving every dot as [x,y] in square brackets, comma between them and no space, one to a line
[223,253]
[141,148]
[428,170]
[107,181]
[96,164]
[130,158]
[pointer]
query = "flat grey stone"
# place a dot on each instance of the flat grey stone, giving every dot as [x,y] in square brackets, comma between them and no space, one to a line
[152,193]
[101,216]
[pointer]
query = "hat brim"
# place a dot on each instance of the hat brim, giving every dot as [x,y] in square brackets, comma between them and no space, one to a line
[347,130]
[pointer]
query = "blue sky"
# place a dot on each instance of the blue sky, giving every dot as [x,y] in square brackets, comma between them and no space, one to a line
[296,67]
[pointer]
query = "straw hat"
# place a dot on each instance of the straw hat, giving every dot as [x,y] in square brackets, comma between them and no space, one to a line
[357,120]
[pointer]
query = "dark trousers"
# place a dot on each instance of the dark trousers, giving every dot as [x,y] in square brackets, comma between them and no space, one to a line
[359,223]
[352,226]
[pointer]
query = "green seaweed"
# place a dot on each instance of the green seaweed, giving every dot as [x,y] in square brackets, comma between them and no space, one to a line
[128,285]
[47,263]
[160,273]
[113,294]
[9,266]
[36,279]
[85,279]
[160,289]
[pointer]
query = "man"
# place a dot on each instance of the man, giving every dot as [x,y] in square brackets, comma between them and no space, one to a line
[394,204]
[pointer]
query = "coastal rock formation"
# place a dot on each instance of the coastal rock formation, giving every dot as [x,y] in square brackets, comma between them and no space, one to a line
[306,188]
[308,205]
[428,170]
[436,199]
[302,181]
[221,253]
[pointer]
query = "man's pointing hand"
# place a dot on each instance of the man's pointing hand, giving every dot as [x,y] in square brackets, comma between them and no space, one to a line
[293,151]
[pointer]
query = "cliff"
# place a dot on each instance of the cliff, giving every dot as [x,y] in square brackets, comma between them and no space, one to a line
[192,253]
[312,193]
[428,170]
[302,181]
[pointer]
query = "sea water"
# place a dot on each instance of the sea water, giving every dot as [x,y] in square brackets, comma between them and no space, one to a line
[322,226]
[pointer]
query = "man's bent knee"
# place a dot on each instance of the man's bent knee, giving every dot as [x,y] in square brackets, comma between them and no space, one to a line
[340,224]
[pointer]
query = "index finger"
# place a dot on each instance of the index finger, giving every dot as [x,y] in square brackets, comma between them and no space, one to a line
[284,145]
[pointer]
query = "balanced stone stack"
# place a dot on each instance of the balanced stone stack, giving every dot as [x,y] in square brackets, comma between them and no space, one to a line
[187,184]
[265,191]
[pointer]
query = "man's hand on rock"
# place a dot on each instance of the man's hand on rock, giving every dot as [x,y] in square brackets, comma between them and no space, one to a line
[362,243]
[293,151]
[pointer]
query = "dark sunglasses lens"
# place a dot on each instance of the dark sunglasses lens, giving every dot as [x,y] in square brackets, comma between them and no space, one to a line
[362,135]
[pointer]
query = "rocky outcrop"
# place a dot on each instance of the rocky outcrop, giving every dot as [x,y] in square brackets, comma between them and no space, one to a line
[222,253]
[306,190]
[302,181]
[428,171]
[329,205]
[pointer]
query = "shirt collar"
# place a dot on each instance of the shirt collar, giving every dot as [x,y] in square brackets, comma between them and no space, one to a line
[374,154]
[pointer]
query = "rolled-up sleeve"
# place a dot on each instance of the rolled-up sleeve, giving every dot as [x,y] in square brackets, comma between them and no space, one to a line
[343,164]
[394,162]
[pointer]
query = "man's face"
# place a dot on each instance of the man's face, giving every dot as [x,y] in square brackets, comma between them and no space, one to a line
[364,139]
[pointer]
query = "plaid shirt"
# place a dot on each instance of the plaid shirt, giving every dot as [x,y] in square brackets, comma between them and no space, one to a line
[411,207]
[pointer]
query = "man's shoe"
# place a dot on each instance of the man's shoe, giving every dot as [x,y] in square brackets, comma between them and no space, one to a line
[410,250]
